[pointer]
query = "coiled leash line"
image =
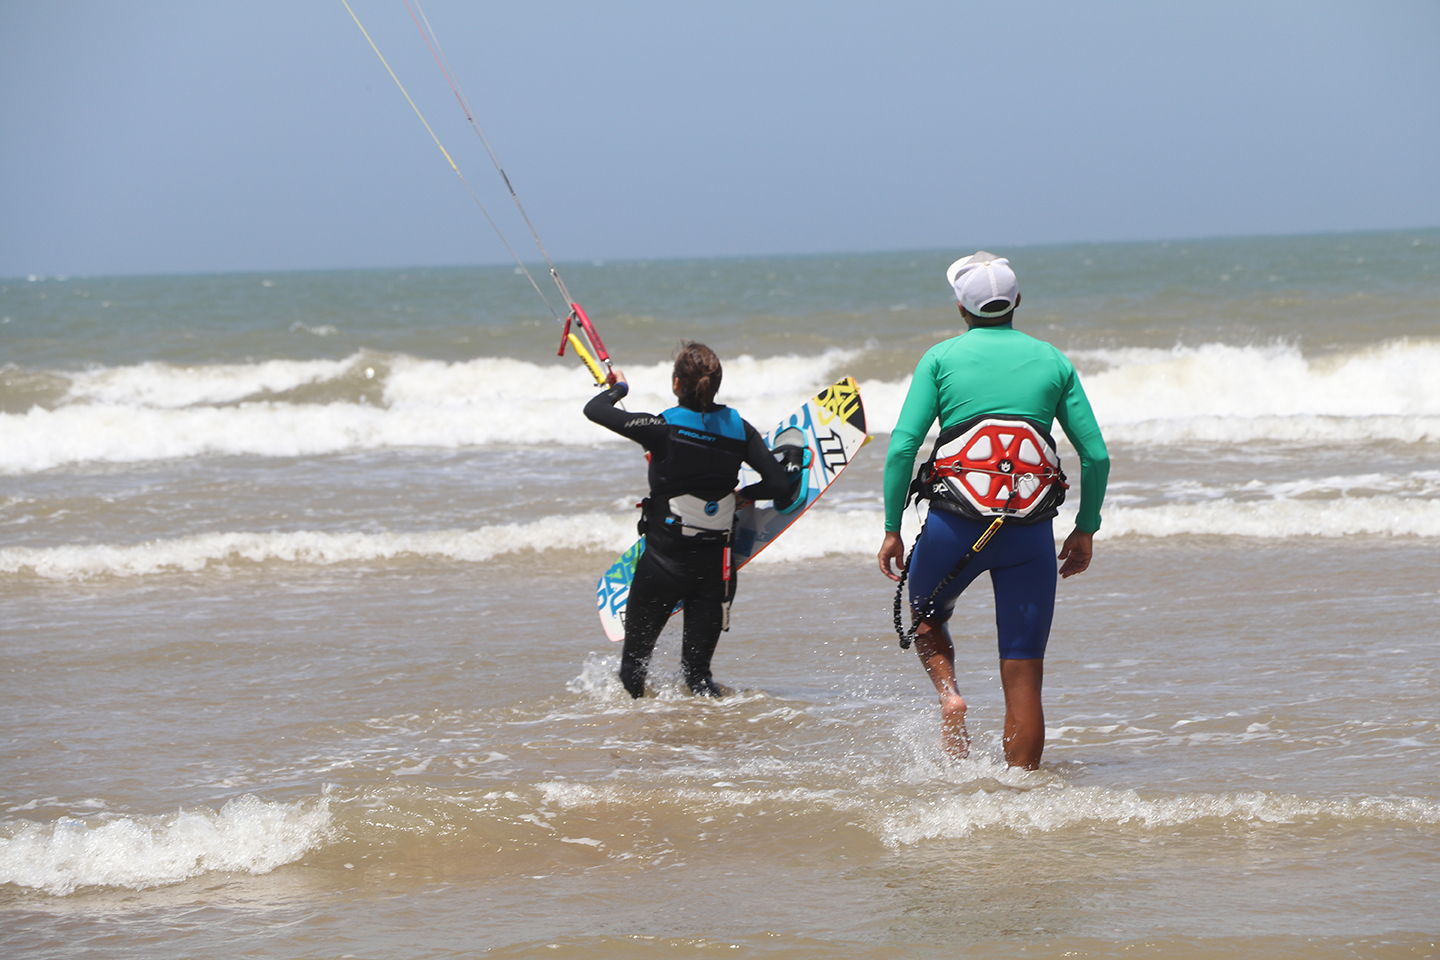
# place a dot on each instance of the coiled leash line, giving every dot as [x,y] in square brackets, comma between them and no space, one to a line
[927,608]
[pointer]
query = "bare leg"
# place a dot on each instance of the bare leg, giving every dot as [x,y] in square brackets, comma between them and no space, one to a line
[1024,718]
[937,653]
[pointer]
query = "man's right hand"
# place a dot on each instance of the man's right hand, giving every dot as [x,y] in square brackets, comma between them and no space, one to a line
[892,549]
[1076,553]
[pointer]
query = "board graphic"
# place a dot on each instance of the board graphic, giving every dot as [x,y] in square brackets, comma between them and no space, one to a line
[831,425]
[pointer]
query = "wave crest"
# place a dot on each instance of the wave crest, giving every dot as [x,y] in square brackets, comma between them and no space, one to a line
[1048,810]
[246,835]
[825,533]
[1211,394]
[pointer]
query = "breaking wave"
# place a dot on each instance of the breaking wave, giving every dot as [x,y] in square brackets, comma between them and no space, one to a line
[246,835]
[1044,810]
[156,411]
[1212,393]
[1217,393]
[825,532]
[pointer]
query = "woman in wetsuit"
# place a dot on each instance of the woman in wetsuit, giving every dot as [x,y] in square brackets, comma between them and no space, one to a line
[695,451]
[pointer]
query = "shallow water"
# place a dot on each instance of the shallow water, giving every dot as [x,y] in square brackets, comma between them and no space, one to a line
[302,660]
[480,788]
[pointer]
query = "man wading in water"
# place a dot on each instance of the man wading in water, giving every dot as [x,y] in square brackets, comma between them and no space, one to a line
[993,483]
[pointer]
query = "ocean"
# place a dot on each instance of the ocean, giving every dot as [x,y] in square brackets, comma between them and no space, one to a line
[300,655]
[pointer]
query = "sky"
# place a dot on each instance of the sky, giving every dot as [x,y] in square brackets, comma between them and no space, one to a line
[159,136]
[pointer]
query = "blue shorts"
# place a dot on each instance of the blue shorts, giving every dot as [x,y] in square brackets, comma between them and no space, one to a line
[1021,561]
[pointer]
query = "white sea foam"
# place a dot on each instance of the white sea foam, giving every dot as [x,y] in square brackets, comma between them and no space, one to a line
[168,386]
[604,533]
[1270,429]
[1382,516]
[246,835]
[1043,810]
[487,381]
[157,412]
[1217,393]
[1396,378]
[42,439]
[1208,394]
[825,532]
[1410,484]
[568,795]
[1222,393]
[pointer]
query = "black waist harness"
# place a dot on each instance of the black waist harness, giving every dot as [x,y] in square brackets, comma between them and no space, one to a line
[692,487]
[686,522]
[993,467]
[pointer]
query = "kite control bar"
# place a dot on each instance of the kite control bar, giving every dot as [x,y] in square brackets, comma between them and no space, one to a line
[577,315]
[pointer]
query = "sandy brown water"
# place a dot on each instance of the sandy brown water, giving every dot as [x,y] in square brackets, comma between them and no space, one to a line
[487,785]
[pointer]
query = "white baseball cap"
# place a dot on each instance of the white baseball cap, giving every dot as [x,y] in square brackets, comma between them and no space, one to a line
[984,284]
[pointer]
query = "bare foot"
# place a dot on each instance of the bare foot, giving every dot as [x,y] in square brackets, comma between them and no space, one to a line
[954,738]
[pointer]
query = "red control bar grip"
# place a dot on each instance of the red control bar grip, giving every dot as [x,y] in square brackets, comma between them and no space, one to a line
[589,328]
[565,337]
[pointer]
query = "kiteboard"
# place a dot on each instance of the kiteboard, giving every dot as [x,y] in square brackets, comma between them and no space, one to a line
[830,426]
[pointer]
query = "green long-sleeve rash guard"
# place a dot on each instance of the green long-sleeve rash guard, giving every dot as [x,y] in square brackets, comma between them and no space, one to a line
[996,371]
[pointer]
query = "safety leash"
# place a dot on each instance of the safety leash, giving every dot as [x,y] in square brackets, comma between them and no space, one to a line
[925,609]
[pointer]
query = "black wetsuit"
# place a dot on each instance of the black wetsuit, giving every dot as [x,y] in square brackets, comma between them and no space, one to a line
[694,453]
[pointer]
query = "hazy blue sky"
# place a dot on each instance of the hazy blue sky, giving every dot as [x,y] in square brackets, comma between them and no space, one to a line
[158,137]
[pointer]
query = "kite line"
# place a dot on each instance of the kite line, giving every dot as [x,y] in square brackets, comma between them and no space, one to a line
[576,314]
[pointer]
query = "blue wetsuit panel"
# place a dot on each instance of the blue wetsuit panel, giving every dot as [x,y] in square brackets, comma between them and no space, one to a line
[1021,561]
[723,422]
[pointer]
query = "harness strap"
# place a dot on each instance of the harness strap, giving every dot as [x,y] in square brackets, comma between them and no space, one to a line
[990,466]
